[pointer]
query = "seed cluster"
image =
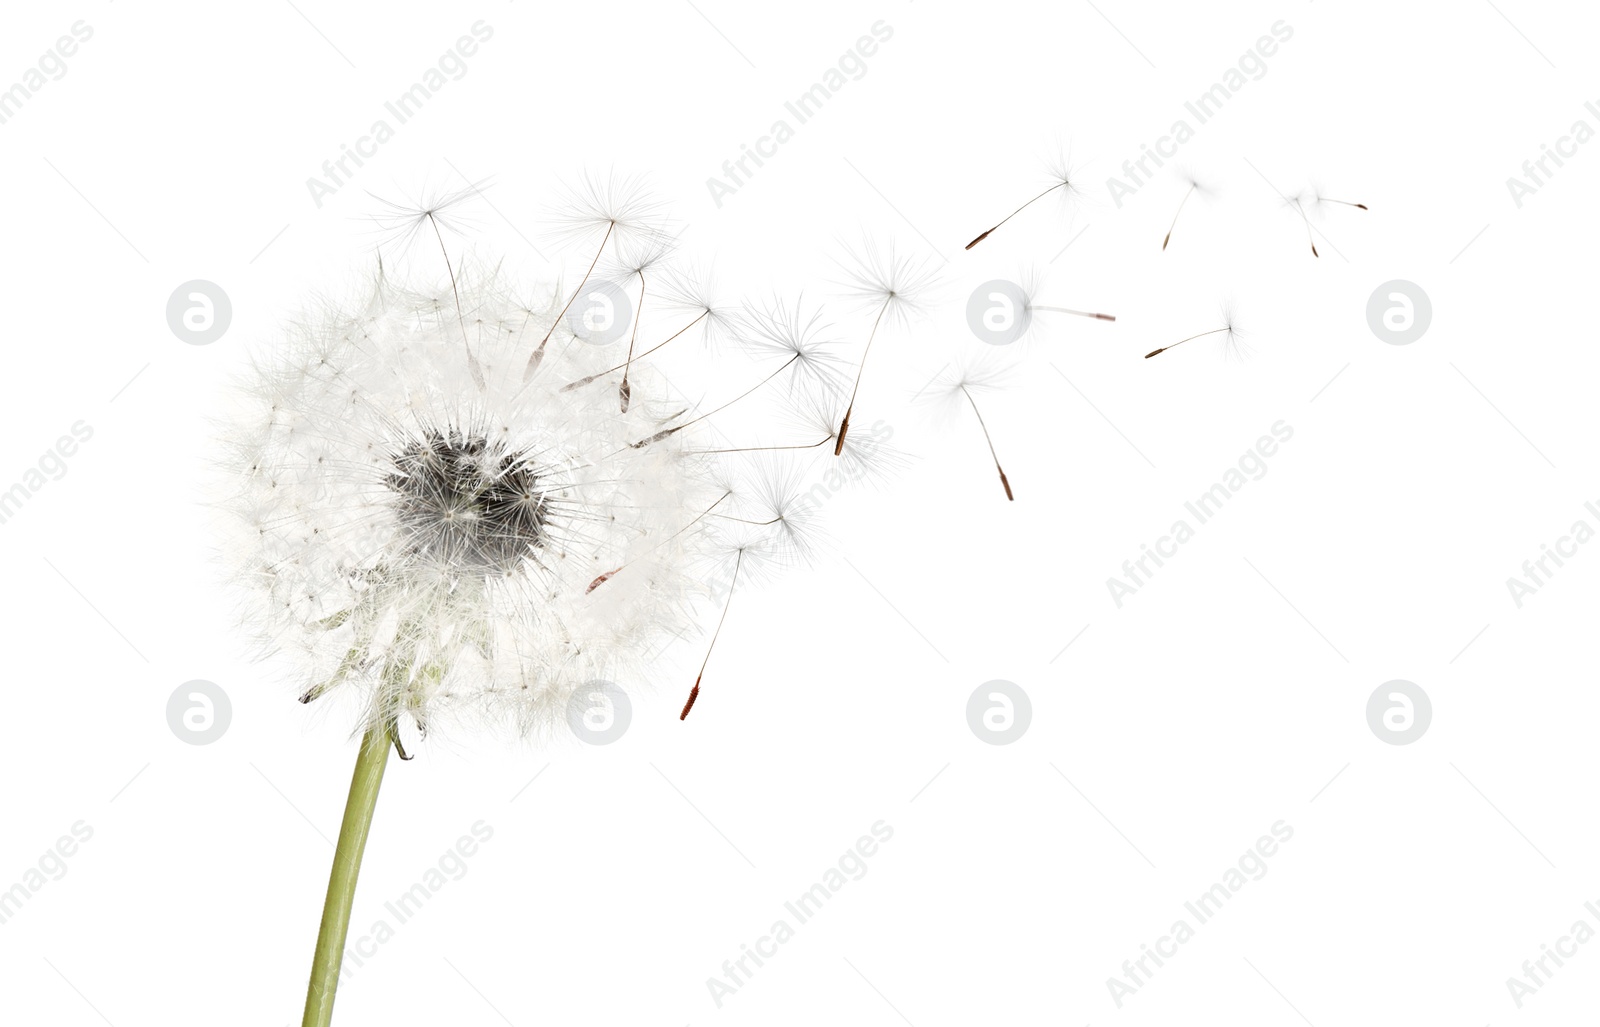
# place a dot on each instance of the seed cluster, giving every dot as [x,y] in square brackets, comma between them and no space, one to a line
[469,503]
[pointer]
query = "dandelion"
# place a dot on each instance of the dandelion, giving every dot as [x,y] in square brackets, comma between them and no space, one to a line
[1319,200]
[685,292]
[798,335]
[403,222]
[1033,284]
[764,528]
[442,533]
[1194,186]
[894,285]
[1297,204]
[1076,313]
[869,456]
[790,333]
[1313,201]
[693,290]
[1061,180]
[965,382]
[622,209]
[1230,331]
[637,261]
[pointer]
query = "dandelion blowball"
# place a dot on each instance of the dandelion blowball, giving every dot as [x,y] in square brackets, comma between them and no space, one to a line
[434,526]
[452,501]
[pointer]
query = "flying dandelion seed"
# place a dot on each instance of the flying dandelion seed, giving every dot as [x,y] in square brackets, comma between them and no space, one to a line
[440,523]
[1298,205]
[1003,311]
[1075,313]
[1312,201]
[766,526]
[1195,187]
[1230,331]
[403,222]
[961,385]
[894,285]
[778,330]
[1061,180]
[688,293]
[692,290]
[618,208]
[1033,284]
[637,260]
[1319,200]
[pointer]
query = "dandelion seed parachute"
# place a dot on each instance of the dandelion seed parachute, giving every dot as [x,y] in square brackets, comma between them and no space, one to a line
[959,385]
[892,286]
[1298,204]
[1320,199]
[1062,178]
[1193,186]
[1031,284]
[1232,335]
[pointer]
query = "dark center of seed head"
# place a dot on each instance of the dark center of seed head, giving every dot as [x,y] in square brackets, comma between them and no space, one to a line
[467,502]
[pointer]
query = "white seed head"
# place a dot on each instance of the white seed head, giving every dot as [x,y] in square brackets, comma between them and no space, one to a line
[428,530]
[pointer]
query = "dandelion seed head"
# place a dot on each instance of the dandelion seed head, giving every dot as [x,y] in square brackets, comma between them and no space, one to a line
[428,542]
[468,501]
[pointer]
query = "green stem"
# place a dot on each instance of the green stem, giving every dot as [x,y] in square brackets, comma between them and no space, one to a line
[342,879]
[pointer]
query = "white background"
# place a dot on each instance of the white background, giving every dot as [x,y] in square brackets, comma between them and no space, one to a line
[1227,695]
